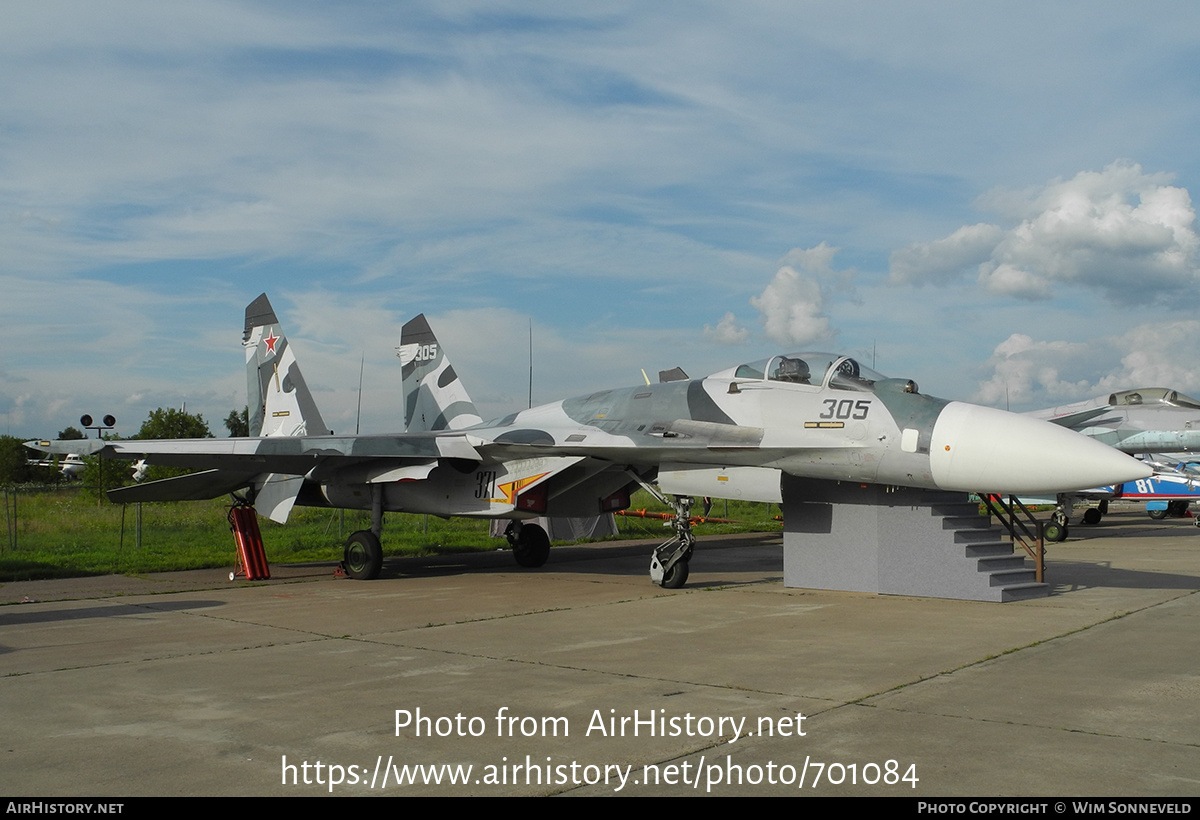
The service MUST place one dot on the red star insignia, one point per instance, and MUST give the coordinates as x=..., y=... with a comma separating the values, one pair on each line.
x=271, y=340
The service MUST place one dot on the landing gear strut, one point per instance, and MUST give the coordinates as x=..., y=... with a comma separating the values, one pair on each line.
x=669, y=563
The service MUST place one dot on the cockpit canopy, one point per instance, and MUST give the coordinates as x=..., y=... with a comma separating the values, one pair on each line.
x=1152, y=395
x=818, y=369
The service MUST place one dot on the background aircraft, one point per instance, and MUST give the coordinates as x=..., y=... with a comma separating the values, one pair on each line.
x=1146, y=420
x=734, y=434
x=1159, y=423
x=70, y=465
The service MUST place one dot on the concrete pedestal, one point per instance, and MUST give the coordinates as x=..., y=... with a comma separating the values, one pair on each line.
x=897, y=541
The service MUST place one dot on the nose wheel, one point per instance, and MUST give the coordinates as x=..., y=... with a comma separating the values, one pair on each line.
x=1056, y=528
x=669, y=563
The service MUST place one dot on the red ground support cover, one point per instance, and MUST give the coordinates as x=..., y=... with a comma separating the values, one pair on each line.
x=251, y=560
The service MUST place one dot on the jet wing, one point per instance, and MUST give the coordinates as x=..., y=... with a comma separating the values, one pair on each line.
x=1073, y=420
x=278, y=454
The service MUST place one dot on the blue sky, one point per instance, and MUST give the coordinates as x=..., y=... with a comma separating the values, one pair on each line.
x=990, y=198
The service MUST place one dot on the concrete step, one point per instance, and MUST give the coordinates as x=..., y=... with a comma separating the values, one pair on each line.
x=975, y=522
x=996, y=563
x=979, y=537
x=1024, y=592
x=989, y=549
x=1012, y=577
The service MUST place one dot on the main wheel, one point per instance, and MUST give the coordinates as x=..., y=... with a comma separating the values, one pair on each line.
x=1054, y=531
x=363, y=557
x=676, y=576
x=1091, y=516
x=1157, y=515
x=532, y=547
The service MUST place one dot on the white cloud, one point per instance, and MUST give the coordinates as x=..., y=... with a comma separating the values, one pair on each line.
x=727, y=331
x=793, y=305
x=1006, y=279
x=611, y=171
x=1150, y=358
x=1124, y=232
x=1027, y=374
x=945, y=259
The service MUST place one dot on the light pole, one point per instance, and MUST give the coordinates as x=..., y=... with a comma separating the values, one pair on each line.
x=108, y=423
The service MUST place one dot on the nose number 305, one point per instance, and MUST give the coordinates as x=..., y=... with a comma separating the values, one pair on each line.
x=846, y=409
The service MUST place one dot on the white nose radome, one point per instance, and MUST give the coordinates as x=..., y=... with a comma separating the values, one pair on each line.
x=980, y=449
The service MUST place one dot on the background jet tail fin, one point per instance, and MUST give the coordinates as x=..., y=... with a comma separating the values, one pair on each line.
x=280, y=402
x=434, y=398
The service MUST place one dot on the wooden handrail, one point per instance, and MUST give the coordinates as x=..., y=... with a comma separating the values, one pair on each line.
x=1025, y=530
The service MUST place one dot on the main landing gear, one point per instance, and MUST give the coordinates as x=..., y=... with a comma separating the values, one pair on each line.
x=1175, y=509
x=529, y=542
x=669, y=563
x=363, y=556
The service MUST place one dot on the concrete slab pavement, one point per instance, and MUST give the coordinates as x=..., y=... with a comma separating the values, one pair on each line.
x=217, y=689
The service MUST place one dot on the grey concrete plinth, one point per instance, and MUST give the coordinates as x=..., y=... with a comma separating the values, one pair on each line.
x=897, y=541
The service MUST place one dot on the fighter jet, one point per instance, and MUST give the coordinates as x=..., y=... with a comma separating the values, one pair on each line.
x=1159, y=423
x=733, y=434
x=1146, y=420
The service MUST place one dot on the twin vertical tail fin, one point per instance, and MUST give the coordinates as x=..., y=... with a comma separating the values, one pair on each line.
x=279, y=400
x=434, y=398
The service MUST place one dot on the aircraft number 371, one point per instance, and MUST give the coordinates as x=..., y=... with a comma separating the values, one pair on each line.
x=486, y=483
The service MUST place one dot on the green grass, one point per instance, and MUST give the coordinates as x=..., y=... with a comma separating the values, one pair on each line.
x=64, y=533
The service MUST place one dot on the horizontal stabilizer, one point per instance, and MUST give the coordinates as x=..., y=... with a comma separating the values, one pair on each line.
x=191, y=487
